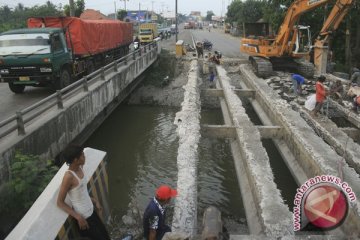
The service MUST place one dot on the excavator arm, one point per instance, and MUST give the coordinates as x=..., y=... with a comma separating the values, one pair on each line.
x=332, y=22
x=334, y=19
x=293, y=15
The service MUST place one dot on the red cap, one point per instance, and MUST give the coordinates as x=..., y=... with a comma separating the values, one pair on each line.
x=165, y=192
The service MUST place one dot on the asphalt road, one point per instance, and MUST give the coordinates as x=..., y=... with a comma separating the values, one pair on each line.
x=11, y=102
x=227, y=44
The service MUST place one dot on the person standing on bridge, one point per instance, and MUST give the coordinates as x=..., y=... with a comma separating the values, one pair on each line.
x=74, y=185
x=200, y=49
x=154, y=215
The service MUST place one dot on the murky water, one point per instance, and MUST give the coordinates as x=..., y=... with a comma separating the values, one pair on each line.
x=141, y=143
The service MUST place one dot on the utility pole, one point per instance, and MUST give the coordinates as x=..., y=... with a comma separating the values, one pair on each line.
x=162, y=7
x=152, y=6
x=139, y=13
x=115, y=10
x=124, y=3
x=72, y=8
x=176, y=21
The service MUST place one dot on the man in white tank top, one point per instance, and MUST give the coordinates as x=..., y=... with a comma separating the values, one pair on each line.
x=74, y=184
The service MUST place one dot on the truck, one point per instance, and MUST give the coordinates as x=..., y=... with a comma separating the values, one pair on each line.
x=227, y=28
x=148, y=32
x=55, y=51
x=192, y=24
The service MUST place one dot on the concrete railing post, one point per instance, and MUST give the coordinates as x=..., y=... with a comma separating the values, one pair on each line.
x=115, y=66
x=20, y=123
x=59, y=99
x=102, y=74
x=85, y=85
x=125, y=61
x=134, y=56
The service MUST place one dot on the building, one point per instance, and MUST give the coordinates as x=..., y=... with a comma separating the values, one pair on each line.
x=139, y=16
x=92, y=15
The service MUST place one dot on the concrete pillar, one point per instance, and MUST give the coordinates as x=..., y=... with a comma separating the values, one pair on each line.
x=320, y=58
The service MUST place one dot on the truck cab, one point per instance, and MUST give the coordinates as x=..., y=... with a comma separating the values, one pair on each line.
x=148, y=32
x=34, y=57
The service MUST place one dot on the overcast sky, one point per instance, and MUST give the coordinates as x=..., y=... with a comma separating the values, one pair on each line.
x=107, y=6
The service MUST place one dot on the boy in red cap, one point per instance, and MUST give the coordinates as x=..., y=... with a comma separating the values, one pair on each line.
x=154, y=215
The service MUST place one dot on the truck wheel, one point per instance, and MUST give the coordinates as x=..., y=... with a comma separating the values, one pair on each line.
x=64, y=80
x=16, y=88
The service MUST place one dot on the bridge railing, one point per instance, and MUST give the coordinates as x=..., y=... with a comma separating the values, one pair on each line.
x=22, y=117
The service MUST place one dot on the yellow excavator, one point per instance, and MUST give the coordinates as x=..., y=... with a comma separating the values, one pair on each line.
x=290, y=48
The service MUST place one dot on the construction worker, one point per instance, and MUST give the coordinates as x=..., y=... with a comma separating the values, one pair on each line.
x=356, y=103
x=297, y=81
x=154, y=215
x=355, y=77
x=321, y=94
x=200, y=49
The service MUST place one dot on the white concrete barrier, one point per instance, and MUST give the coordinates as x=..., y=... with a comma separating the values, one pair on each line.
x=44, y=220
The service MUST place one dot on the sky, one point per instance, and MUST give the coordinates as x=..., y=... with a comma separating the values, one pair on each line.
x=107, y=6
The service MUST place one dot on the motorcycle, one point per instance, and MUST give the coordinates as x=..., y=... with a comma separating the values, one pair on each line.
x=136, y=45
x=207, y=45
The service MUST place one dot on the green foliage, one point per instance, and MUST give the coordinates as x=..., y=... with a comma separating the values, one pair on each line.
x=29, y=176
x=209, y=15
x=121, y=14
x=16, y=18
x=79, y=6
x=248, y=11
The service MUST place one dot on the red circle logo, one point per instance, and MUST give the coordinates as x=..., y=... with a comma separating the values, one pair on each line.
x=326, y=206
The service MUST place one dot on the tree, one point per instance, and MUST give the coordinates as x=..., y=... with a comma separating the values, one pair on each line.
x=121, y=14
x=12, y=19
x=209, y=15
x=248, y=11
x=79, y=8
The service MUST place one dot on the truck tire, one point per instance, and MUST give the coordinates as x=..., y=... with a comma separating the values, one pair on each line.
x=64, y=79
x=16, y=88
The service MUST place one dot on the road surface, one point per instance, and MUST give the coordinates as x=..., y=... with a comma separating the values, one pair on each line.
x=227, y=44
x=11, y=102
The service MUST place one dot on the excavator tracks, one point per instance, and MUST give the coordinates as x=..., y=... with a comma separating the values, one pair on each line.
x=305, y=68
x=263, y=67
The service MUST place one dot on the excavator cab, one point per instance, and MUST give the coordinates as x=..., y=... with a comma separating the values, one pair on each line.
x=302, y=43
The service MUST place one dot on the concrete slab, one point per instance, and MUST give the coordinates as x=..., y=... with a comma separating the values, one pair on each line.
x=188, y=122
x=313, y=155
x=256, y=161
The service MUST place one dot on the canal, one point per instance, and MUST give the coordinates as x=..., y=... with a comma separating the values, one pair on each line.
x=142, y=145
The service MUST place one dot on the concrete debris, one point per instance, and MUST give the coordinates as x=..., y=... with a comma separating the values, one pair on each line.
x=185, y=210
x=128, y=221
x=175, y=236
